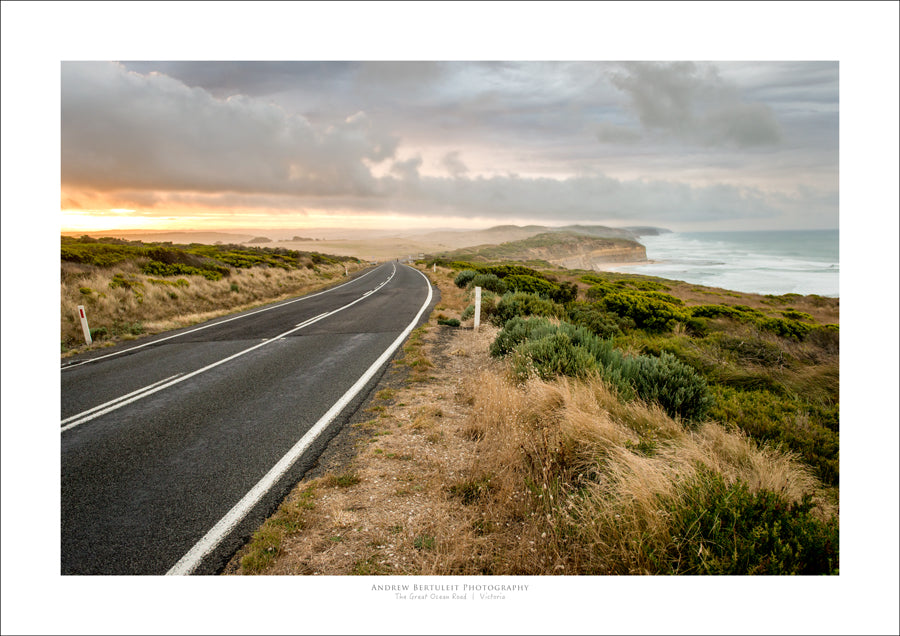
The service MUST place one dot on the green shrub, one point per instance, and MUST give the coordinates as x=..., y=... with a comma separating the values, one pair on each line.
x=749, y=311
x=666, y=298
x=697, y=326
x=782, y=327
x=491, y=282
x=599, y=290
x=793, y=314
x=593, y=317
x=504, y=271
x=159, y=268
x=462, y=265
x=99, y=254
x=607, y=283
x=515, y=331
x=649, y=310
x=785, y=328
x=135, y=328
x=675, y=386
x=565, y=349
x=808, y=429
x=553, y=355
x=564, y=293
x=714, y=311
x=321, y=259
x=450, y=322
x=784, y=299
x=597, y=279
x=119, y=280
x=522, y=304
x=722, y=528
x=530, y=285
x=463, y=279
x=181, y=282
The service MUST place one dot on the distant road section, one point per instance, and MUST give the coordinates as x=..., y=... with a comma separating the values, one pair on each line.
x=174, y=449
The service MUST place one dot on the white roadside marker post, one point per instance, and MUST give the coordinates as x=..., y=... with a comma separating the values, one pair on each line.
x=434, y=270
x=84, y=325
x=477, y=307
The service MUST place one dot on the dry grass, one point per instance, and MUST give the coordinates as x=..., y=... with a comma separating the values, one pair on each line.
x=469, y=473
x=453, y=299
x=149, y=304
x=604, y=474
x=395, y=514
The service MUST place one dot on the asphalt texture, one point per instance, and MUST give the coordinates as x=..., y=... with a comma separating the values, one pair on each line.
x=143, y=482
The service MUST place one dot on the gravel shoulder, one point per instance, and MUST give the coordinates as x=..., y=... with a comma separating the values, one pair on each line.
x=380, y=500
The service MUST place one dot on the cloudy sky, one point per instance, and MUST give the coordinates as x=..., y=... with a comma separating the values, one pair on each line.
x=268, y=144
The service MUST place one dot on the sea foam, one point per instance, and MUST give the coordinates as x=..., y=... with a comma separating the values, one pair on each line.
x=761, y=262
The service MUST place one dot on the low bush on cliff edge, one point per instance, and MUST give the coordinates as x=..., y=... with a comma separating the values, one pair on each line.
x=549, y=350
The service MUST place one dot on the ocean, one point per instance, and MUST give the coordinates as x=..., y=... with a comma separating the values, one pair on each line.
x=760, y=262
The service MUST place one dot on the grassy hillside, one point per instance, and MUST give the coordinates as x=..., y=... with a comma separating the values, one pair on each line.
x=130, y=288
x=548, y=246
x=763, y=369
x=595, y=424
x=770, y=362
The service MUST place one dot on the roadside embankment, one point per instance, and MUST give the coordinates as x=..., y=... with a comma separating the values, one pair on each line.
x=474, y=464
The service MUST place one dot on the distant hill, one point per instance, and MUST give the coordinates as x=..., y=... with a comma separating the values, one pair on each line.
x=563, y=248
x=455, y=239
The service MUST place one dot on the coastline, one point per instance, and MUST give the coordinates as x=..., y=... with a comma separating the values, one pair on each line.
x=612, y=267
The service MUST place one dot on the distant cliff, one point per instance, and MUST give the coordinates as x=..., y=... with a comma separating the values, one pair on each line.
x=565, y=249
x=458, y=239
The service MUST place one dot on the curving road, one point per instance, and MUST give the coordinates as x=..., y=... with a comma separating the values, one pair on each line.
x=175, y=449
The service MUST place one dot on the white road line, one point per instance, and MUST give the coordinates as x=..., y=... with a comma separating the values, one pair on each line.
x=311, y=320
x=153, y=388
x=189, y=562
x=118, y=399
x=215, y=324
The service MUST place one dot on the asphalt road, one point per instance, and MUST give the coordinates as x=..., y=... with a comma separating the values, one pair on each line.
x=174, y=449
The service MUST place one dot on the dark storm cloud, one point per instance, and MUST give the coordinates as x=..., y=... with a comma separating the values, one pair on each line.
x=691, y=102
